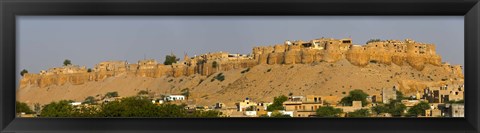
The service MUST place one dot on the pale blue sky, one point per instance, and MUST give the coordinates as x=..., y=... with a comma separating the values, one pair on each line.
x=45, y=41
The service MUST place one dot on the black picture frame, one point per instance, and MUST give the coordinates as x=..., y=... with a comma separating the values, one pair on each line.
x=470, y=9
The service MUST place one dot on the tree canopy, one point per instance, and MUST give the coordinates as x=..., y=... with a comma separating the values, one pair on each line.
x=170, y=59
x=67, y=62
x=328, y=111
x=355, y=95
x=23, y=72
x=395, y=108
x=277, y=103
x=373, y=40
x=58, y=109
x=126, y=107
x=22, y=107
x=359, y=113
x=418, y=109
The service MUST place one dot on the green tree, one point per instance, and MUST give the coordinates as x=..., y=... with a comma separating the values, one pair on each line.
x=22, y=107
x=395, y=108
x=67, y=62
x=130, y=107
x=355, y=95
x=373, y=40
x=277, y=103
x=172, y=110
x=126, y=107
x=380, y=109
x=400, y=96
x=89, y=100
x=170, y=59
x=23, y=72
x=328, y=111
x=57, y=109
x=418, y=109
x=359, y=113
x=89, y=70
x=85, y=111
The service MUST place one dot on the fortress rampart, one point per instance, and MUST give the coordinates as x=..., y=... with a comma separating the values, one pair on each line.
x=330, y=50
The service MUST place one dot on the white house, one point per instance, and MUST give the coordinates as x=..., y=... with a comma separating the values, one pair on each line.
x=174, y=98
x=75, y=103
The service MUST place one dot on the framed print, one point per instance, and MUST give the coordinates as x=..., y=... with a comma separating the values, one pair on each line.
x=236, y=66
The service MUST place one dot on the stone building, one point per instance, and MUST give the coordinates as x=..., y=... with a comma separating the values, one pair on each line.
x=111, y=66
x=303, y=106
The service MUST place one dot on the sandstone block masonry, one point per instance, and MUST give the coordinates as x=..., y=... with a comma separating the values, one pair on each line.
x=407, y=52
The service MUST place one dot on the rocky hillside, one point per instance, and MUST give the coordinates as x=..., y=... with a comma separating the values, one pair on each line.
x=260, y=83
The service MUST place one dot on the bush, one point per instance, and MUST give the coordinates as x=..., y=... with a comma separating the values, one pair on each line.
x=359, y=113
x=142, y=92
x=244, y=71
x=458, y=102
x=23, y=72
x=219, y=77
x=22, y=107
x=328, y=111
x=111, y=94
x=373, y=40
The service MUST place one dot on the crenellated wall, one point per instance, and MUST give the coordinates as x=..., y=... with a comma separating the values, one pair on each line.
x=330, y=50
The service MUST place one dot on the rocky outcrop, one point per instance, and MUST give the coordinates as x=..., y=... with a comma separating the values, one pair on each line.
x=358, y=56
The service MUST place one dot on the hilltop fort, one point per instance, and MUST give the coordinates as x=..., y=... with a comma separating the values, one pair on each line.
x=406, y=57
